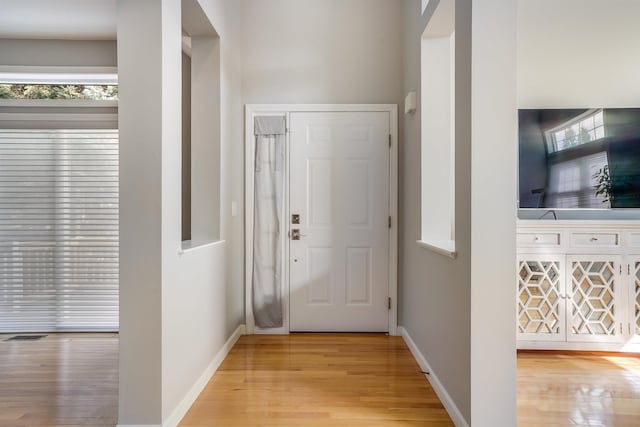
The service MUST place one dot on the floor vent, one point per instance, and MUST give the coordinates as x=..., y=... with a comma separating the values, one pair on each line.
x=25, y=338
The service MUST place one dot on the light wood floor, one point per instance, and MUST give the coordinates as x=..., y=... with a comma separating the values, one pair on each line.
x=61, y=380
x=578, y=390
x=318, y=380
x=306, y=380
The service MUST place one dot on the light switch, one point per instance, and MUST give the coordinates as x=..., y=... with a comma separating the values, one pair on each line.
x=410, y=102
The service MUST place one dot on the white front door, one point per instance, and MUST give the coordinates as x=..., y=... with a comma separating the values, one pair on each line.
x=339, y=190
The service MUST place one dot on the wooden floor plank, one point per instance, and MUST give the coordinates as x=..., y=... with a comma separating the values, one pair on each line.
x=318, y=380
x=315, y=380
x=578, y=390
x=60, y=380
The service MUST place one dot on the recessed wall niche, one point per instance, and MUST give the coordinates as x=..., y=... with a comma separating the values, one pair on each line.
x=201, y=142
x=438, y=130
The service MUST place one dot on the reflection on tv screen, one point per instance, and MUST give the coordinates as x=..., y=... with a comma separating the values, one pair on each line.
x=579, y=158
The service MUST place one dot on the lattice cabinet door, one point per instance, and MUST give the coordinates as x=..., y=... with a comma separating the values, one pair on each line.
x=596, y=308
x=540, y=306
x=634, y=298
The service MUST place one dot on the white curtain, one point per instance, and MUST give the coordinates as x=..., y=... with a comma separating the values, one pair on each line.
x=268, y=224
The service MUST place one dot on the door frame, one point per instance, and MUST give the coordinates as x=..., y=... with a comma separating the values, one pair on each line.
x=284, y=110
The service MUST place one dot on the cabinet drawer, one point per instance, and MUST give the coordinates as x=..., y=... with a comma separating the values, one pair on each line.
x=634, y=240
x=538, y=239
x=595, y=239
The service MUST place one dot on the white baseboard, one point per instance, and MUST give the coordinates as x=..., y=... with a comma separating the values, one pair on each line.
x=630, y=347
x=447, y=401
x=191, y=396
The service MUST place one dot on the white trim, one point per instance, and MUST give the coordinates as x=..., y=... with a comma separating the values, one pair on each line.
x=139, y=425
x=443, y=395
x=248, y=220
x=526, y=224
x=626, y=347
x=66, y=103
x=189, y=246
x=53, y=69
x=287, y=214
x=59, y=75
x=251, y=110
x=181, y=410
x=281, y=109
x=443, y=248
x=395, y=218
x=78, y=117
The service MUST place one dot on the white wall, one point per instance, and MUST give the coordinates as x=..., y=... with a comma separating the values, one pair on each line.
x=329, y=51
x=178, y=310
x=578, y=53
x=435, y=299
x=202, y=291
x=493, y=213
x=140, y=125
x=90, y=53
x=60, y=19
x=460, y=312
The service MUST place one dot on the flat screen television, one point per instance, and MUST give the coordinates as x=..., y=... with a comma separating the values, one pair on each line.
x=585, y=158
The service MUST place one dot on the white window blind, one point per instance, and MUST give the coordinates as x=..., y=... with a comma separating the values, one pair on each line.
x=58, y=230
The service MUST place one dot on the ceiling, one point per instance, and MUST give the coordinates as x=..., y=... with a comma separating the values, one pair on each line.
x=58, y=19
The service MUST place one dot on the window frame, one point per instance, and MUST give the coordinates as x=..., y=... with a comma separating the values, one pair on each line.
x=550, y=137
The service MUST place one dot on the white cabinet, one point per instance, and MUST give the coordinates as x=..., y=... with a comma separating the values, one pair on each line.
x=541, y=308
x=578, y=286
x=595, y=298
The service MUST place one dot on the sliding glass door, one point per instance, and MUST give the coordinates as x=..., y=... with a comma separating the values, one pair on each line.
x=58, y=230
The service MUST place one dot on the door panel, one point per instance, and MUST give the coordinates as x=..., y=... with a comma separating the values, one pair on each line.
x=339, y=185
x=541, y=298
x=596, y=297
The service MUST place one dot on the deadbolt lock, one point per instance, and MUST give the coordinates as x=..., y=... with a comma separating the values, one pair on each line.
x=295, y=234
x=295, y=219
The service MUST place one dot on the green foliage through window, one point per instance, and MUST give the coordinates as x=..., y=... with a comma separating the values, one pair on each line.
x=28, y=91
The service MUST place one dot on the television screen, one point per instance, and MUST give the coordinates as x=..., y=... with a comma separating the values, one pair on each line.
x=579, y=158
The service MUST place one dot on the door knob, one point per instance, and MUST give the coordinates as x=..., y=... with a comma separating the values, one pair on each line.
x=296, y=234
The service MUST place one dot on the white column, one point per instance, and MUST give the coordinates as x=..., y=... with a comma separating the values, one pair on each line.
x=493, y=213
x=140, y=68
